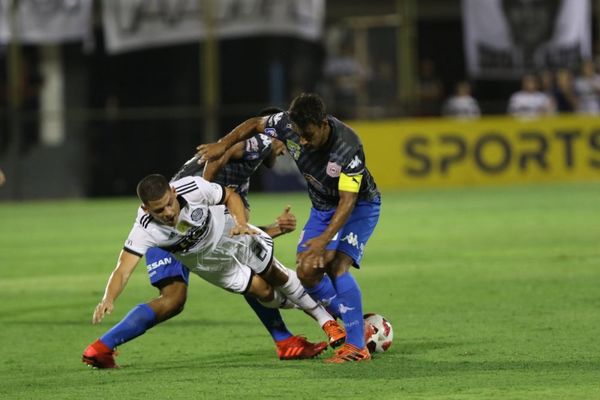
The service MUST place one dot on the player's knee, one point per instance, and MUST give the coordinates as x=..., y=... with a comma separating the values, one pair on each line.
x=308, y=276
x=339, y=265
x=262, y=291
x=173, y=298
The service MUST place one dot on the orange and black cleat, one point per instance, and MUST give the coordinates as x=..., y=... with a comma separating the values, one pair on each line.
x=298, y=348
x=99, y=355
x=335, y=333
x=349, y=353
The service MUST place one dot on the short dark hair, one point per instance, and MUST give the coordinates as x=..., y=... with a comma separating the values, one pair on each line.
x=269, y=111
x=306, y=109
x=152, y=187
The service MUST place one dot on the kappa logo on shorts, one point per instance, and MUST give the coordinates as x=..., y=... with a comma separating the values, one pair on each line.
x=197, y=214
x=333, y=169
x=352, y=239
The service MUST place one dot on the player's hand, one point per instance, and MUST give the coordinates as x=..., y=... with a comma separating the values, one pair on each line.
x=242, y=230
x=314, y=255
x=210, y=151
x=104, y=307
x=286, y=222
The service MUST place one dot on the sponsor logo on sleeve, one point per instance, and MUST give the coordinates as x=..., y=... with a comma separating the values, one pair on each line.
x=355, y=162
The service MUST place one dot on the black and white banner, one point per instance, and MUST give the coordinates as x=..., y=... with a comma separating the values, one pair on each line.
x=131, y=25
x=505, y=38
x=46, y=21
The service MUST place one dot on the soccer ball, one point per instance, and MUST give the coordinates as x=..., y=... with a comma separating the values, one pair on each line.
x=378, y=333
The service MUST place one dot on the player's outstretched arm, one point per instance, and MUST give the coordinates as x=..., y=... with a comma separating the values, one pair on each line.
x=243, y=131
x=212, y=168
x=115, y=285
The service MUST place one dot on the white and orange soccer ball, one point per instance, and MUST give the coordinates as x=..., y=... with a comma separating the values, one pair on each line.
x=379, y=333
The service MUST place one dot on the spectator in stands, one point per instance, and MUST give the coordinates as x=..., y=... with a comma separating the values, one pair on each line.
x=563, y=93
x=529, y=102
x=2, y=178
x=462, y=104
x=587, y=89
x=346, y=77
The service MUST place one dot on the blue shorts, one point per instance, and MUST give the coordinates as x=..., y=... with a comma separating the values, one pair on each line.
x=353, y=236
x=162, y=265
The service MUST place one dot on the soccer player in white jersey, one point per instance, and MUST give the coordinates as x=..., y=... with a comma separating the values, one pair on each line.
x=188, y=219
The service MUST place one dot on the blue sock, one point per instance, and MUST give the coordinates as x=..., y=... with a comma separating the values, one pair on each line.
x=325, y=293
x=350, y=308
x=139, y=320
x=270, y=318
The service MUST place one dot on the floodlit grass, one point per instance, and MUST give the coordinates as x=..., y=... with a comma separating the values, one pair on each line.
x=492, y=292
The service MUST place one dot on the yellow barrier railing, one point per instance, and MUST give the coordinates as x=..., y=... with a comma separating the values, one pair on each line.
x=447, y=152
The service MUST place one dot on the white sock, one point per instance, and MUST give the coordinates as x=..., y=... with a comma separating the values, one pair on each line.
x=279, y=301
x=296, y=293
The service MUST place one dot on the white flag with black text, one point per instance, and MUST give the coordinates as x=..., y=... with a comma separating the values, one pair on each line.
x=505, y=38
x=130, y=25
x=45, y=21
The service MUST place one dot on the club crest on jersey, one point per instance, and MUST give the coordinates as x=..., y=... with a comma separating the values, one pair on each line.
x=197, y=214
x=333, y=169
x=293, y=148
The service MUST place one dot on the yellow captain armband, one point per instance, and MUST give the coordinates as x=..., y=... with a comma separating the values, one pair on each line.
x=349, y=183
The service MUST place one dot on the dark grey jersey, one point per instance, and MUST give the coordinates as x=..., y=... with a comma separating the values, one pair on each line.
x=236, y=173
x=342, y=154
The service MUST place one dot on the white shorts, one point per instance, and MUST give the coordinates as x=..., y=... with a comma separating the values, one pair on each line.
x=232, y=262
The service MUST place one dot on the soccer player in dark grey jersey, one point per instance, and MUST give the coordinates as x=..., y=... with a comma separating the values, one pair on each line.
x=345, y=206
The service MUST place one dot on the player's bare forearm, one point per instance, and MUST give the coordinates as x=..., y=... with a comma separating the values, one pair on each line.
x=243, y=131
x=236, y=208
x=115, y=285
x=119, y=277
x=212, y=168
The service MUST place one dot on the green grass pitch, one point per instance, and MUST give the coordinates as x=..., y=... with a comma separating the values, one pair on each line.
x=493, y=293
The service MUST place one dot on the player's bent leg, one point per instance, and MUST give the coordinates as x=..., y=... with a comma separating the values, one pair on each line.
x=270, y=318
x=173, y=294
x=319, y=285
x=294, y=291
x=349, y=300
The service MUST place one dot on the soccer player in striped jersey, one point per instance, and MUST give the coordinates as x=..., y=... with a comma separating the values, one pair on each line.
x=187, y=218
x=345, y=206
x=171, y=278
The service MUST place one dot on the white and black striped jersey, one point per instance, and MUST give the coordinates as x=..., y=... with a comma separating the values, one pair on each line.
x=343, y=153
x=236, y=173
x=199, y=225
